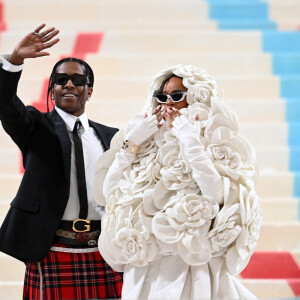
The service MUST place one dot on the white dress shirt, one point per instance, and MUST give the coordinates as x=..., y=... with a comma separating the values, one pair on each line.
x=92, y=150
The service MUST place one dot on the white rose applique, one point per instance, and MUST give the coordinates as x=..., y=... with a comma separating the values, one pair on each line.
x=186, y=223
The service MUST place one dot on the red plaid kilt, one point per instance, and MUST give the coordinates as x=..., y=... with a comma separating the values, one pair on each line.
x=72, y=276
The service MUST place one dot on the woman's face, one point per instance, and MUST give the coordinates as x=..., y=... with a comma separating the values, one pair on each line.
x=174, y=84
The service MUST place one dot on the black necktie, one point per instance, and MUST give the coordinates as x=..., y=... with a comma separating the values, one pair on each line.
x=80, y=171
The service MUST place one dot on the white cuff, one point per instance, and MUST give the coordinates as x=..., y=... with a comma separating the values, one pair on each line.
x=7, y=66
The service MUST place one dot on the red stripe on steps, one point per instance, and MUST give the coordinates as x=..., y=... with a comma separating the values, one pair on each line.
x=274, y=265
x=2, y=22
x=85, y=43
x=295, y=286
x=88, y=43
x=271, y=265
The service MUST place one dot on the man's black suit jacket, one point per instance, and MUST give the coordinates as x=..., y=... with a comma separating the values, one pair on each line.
x=29, y=228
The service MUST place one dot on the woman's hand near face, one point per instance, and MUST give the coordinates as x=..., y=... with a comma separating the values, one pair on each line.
x=33, y=44
x=158, y=113
x=169, y=114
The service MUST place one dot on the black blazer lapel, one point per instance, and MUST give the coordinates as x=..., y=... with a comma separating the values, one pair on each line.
x=102, y=134
x=65, y=142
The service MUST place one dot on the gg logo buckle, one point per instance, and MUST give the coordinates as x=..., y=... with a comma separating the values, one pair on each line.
x=87, y=225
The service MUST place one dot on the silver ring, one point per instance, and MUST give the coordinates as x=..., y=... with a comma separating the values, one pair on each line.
x=35, y=33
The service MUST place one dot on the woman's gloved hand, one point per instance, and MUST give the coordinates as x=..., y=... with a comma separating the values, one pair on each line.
x=143, y=130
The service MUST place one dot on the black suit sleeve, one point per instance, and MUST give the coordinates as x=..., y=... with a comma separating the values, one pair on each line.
x=16, y=119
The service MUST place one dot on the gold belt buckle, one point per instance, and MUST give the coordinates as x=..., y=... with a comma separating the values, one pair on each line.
x=87, y=225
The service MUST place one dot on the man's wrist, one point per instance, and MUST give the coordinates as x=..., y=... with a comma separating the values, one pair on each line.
x=16, y=60
x=7, y=66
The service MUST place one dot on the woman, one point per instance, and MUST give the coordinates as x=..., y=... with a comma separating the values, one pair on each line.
x=182, y=214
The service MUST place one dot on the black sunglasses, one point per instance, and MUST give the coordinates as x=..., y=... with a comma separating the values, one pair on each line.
x=175, y=97
x=77, y=79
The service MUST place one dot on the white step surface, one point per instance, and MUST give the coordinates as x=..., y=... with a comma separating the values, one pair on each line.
x=11, y=269
x=214, y=63
x=105, y=10
x=164, y=41
x=12, y=290
x=280, y=209
x=269, y=288
x=131, y=65
x=279, y=236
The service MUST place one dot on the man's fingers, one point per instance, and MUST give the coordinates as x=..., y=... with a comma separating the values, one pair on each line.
x=50, y=36
x=37, y=30
x=50, y=44
x=40, y=54
x=46, y=32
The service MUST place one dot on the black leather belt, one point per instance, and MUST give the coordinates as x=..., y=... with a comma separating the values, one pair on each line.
x=81, y=225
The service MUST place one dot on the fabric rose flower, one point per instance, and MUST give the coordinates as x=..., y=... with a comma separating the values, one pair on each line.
x=201, y=93
x=225, y=230
x=192, y=215
x=176, y=173
x=233, y=155
x=131, y=242
x=142, y=173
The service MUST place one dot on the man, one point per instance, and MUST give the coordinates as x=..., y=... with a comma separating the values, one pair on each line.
x=54, y=223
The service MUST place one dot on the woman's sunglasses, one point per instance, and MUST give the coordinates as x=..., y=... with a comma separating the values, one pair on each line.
x=77, y=79
x=175, y=97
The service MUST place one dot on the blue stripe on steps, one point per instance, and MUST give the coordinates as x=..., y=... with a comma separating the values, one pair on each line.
x=235, y=15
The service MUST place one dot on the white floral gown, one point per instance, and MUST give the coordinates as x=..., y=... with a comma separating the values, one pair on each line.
x=182, y=215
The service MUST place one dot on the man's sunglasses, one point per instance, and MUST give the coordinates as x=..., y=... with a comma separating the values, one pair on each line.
x=175, y=97
x=77, y=79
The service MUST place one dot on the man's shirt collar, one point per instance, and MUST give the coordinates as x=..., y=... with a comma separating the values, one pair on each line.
x=70, y=119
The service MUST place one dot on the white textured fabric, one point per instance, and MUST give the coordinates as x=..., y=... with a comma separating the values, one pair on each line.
x=171, y=278
x=185, y=205
x=143, y=130
x=204, y=173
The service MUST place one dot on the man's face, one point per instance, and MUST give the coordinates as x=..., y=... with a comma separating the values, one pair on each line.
x=69, y=97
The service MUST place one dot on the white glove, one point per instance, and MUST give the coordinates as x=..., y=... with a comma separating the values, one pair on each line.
x=185, y=132
x=143, y=130
x=204, y=173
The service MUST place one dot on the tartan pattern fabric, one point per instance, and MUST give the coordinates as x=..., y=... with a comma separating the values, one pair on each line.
x=72, y=276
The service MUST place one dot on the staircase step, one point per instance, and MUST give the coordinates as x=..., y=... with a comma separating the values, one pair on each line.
x=10, y=159
x=284, y=10
x=148, y=23
x=133, y=65
x=279, y=236
x=9, y=184
x=270, y=288
x=11, y=290
x=104, y=10
x=280, y=209
x=262, y=135
x=11, y=269
x=159, y=42
x=146, y=64
x=134, y=41
x=262, y=265
x=271, y=184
